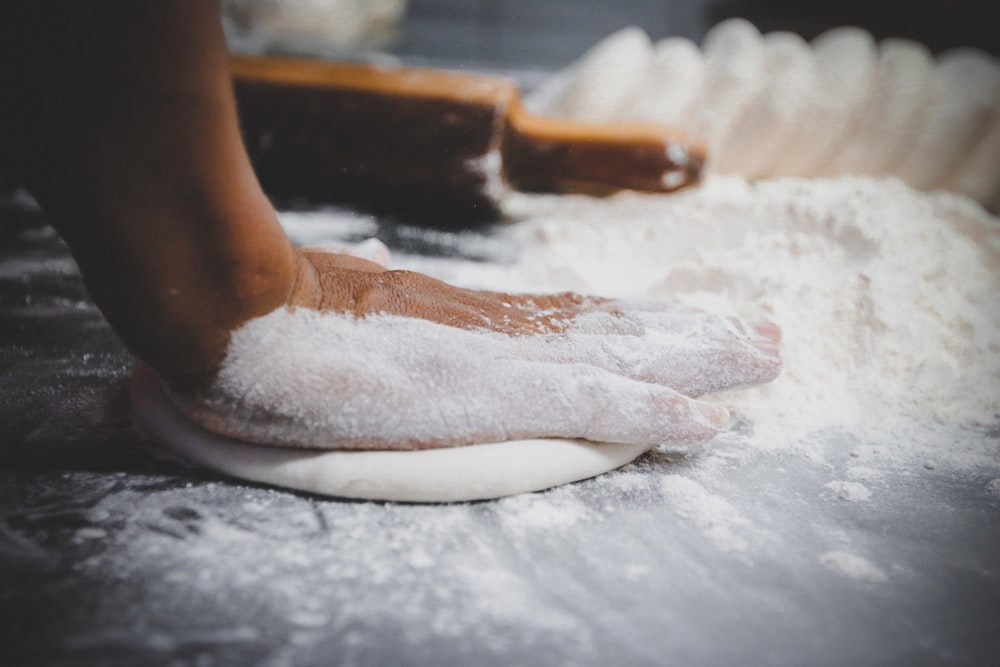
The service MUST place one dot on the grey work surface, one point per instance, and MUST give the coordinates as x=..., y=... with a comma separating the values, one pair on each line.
x=111, y=556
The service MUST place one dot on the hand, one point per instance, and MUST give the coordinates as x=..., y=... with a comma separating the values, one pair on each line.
x=376, y=359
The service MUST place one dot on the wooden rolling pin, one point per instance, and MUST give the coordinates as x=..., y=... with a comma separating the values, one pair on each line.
x=434, y=144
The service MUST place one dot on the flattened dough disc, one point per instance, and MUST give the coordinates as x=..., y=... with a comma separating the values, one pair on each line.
x=454, y=474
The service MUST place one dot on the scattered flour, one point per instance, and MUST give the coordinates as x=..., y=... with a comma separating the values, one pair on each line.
x=530, y=511
x=849, y=490
x=853, y=566
x=863, y=473
x=722, y=523
x=308, y=228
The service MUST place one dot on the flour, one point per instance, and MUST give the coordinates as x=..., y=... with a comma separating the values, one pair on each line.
x=887, y=297
x=531, y=512
x=853, y=566
x=721, y=522
x=854, y=491
x=309, y=228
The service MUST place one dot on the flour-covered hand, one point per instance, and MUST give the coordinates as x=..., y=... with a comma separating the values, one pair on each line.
x=367, y=358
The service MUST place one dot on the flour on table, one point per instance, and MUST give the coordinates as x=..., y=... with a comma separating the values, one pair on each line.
x=721, y=522
x=845, y=490
x=852, y=566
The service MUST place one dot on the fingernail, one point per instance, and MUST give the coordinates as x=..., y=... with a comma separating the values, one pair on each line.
x=716, y=415
x=768, y=348
x=768, y=330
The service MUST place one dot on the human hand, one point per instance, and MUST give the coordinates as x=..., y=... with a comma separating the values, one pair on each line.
x=367, y=358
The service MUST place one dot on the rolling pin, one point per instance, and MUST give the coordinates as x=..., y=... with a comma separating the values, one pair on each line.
x=433, y=144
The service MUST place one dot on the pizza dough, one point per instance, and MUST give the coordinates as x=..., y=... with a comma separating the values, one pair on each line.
x=670, y=85
x=434, y=475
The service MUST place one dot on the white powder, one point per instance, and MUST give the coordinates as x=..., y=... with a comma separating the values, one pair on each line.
x=722, y=523
x=888, y=297
x=849, y=490
x=863, y=473
x=853, y=566
x=557, y=512
x=308, y=228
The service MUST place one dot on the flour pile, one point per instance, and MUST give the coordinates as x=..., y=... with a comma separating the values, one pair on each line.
x=889, y=298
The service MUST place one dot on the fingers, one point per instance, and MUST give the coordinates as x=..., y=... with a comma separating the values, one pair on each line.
x=401, y=383
x=699, y=367
x=583, y=401
x=692, y=354
x=621, y=306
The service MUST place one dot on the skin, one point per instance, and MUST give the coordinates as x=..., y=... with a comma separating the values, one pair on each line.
x=122, y=123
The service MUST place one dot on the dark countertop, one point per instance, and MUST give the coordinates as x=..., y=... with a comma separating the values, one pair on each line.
x=111, y=556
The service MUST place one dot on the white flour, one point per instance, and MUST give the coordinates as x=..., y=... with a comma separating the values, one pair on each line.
x=889, y=298
x=853, y=566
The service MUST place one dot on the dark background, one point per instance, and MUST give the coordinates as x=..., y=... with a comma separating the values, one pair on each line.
x=546, y=34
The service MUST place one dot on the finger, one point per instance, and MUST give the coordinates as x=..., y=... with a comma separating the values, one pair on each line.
x=701, y=326
x=644, y=306
x=389, y=382
x=697, y=367
x=582, y=401
x=692, y=325
x=690, y=365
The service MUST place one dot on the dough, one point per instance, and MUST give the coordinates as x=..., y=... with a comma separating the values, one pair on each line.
x=978, y=173
x=966, y=90
x=772, y=118
x=774, y=106
x=845, y=78
x=670, y=85
x=904, y=77
x=734, y=63
x=435, y=475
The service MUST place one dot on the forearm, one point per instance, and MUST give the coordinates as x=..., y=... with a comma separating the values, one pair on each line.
x=128, y=137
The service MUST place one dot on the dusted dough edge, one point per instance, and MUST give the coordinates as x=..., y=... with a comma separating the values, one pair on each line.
x=454, y=474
